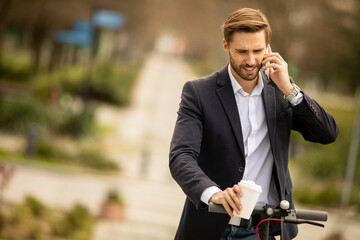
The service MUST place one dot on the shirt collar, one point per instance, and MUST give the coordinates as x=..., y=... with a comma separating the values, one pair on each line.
x=237, y=88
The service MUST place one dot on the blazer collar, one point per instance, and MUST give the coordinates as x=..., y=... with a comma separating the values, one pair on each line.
x=269, y=100
x=223, y=77
x=226, y=95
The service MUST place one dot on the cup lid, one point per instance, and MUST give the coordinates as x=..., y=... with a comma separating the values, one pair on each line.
x=250, y=185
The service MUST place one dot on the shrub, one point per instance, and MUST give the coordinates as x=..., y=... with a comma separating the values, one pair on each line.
x=15, y=68
x=22, y=221
x=93, y=158
x=326, y=166
x=78, y=124
x=76, y=224
x=18, y=115
x=36, y=207
x=107, y=82
x=67, y=80
x=115, y=197
x=112, y=83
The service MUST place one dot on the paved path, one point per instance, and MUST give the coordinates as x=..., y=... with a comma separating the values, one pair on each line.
x=154, y=201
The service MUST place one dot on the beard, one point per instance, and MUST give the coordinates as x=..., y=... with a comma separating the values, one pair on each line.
x=241, y=72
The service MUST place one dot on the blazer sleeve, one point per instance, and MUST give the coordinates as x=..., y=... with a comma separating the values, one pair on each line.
x=186, y=144
x=313, y=122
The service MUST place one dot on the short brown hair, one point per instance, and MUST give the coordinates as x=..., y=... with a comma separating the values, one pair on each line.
x=246, y=20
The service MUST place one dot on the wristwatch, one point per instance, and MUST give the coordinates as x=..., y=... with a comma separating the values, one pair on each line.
x=293, y=93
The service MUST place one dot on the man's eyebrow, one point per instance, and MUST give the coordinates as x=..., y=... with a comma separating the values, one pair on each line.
x=240, y=50
x=246, y=50
x=259, y=49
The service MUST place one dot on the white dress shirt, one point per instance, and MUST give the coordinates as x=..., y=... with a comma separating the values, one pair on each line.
x=258, y=157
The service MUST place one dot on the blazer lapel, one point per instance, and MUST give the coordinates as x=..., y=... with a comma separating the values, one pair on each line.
x=269, y=100
x=226, y=95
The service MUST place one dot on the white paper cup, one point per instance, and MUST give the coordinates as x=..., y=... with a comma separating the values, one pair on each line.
x=251, y=193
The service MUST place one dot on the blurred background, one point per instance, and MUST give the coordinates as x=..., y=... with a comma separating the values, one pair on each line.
x=89, y=92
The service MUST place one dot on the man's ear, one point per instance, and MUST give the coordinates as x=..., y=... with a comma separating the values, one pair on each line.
x=226, y=46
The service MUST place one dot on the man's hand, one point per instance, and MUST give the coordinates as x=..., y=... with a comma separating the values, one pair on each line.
x=230, y=199
x=278, y=71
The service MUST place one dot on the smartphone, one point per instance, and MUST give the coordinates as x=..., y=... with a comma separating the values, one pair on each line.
x=267, y=71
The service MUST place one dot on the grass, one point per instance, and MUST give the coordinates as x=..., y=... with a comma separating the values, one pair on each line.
x=89, y=157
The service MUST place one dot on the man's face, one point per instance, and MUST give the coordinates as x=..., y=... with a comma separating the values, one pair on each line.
x=246, y=51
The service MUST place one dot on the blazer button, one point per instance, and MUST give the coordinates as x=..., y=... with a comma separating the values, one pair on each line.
x=241, y=169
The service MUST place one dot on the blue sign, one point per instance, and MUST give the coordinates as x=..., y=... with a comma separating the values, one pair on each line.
x=108, y=19
x=80, y=35
x=82, y=32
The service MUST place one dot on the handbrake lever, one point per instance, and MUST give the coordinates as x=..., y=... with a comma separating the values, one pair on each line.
x=303, y=221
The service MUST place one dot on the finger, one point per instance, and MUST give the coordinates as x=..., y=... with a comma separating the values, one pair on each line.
x=233, y=200
x=238, y=205
x=271, y=71
x=227, y=208
x=274, y=59
x=229, y=199
x=238, y=190
x=279, y=56
x=275, y=54
x=274, y=67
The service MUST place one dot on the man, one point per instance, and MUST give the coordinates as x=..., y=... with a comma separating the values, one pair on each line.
x=235, y=124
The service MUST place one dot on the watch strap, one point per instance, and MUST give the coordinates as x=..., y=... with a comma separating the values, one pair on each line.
x=293, y=93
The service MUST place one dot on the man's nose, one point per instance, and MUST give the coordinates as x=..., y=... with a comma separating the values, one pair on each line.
x=250, y=59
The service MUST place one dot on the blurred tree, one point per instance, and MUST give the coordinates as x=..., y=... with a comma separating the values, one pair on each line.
x=5, y=6
x=345, y=62
x=41, y=19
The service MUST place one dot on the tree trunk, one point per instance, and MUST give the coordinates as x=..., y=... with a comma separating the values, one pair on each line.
x=75, y=55
x=38, y=38
x=5, y=6
x=55, y=57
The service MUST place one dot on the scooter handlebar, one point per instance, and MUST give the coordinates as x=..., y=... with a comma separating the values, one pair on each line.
x=311, y=215
x=300, y=214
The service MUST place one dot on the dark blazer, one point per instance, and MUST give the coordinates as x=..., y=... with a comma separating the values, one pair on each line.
x=207, y=146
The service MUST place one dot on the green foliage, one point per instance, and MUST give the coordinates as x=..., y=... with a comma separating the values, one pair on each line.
x=326, y=195
x=17, y=115
x=325, y=165
x=76, y=224
x=107, y=82
x=115, y=197
x=47, y=151
x=89, y=157
x=15, y=68
x=93, y=158
x=34, y=221
x=21, y=114
x=67, y=80
x=329, y=161
x=2, y=221
x=36, y=207
x=113, y=82
x=79, y=124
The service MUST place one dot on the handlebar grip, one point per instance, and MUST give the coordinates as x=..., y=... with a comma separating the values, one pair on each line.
x=312, y=215
x=216, y=208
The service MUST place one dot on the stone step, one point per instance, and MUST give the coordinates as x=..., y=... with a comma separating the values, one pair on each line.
x=131, y=230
